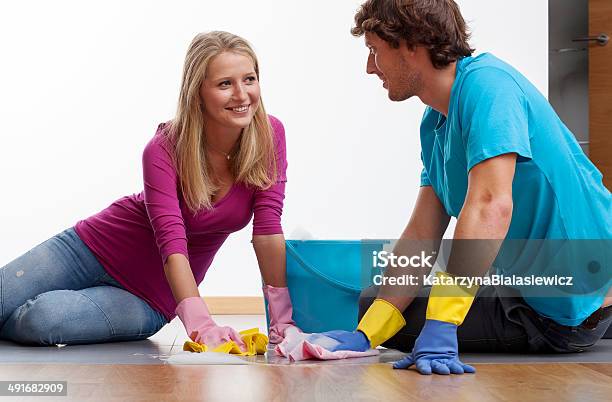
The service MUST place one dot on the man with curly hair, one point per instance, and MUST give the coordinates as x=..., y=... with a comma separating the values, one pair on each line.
x=497, y=157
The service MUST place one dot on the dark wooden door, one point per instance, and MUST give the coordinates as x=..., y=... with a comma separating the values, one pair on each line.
x=600, y=88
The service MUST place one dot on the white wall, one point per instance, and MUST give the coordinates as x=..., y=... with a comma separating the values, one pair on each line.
x=83, y=86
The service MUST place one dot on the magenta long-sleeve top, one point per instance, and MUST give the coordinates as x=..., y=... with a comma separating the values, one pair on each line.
x=134, y=236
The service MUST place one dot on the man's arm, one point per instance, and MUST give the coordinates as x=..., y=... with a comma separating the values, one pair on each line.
x=429, y=219
x=481, y=227
x=384, y=317
x=424, y=231
x=486, y=216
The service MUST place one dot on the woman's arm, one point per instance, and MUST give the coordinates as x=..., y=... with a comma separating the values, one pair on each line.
x=180, y=277
x=161, y=198
x=191, y=308
x=268, y=239
x=270, y=252
x=163, y=210
x=269, y=243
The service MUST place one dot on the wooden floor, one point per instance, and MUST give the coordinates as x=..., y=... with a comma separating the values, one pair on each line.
x=376, y=382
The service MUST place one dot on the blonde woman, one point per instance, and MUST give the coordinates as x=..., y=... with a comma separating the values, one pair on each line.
x=128, y=270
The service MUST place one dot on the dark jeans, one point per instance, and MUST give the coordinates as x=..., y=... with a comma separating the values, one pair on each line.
x=499, y=324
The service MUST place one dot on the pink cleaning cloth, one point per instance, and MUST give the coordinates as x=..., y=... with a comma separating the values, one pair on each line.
x=300, y=346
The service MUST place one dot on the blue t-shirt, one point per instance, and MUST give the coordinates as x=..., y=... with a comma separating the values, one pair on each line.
x=557, y=191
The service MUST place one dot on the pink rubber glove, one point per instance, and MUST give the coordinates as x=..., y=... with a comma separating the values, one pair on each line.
x=280, y=311
x=200, y=326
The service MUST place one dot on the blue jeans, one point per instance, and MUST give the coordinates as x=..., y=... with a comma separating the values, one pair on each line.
x=58, y=292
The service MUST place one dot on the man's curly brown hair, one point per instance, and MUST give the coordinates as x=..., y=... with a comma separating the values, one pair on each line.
x=436, y=25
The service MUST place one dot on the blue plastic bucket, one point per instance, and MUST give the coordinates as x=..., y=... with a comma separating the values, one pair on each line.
x=325, y=278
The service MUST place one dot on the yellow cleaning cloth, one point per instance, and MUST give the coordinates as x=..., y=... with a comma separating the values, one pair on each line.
x=255, y=342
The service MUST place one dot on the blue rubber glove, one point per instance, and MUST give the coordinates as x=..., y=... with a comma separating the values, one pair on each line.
x=436, y=350
x=355, y=341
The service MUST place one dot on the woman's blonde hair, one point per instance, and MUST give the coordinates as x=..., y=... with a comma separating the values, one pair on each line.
x=254, y=162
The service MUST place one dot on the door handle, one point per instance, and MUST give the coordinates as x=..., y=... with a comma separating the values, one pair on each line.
x=601, y=39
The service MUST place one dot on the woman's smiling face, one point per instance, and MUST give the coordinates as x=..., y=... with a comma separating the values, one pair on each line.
x=230, y=90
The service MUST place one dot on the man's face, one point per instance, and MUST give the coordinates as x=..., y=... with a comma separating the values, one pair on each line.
x=394, y=67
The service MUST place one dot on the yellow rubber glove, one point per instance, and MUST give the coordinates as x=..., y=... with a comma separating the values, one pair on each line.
x=381, y=322
x=449, y=302
x=255, y=342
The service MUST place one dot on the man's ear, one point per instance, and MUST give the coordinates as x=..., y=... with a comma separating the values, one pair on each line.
x=407, y=49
